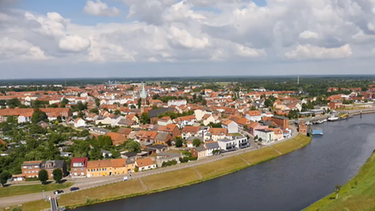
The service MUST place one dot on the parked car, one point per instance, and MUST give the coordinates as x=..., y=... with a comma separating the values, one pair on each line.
x=74, y=188
x=125, y=178
x=56, y=192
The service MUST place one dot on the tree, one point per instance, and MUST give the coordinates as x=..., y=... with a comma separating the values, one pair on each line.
x=57, y=175
x=145, y=118
x=97, y=102
x=196, y=142
x=268, y=103
x=95, y=154
x=38, y=116
x=12, y=103
x=337, y=190
x=253, y=108
x=204, y=102
x=43, y=176
x=4, y=177
x=256, y=137
x=179, y=142
x=64, y=102
x=117, y=112
x=132, y=146
x=94, y=111
x=139, y=102
x=132, y=106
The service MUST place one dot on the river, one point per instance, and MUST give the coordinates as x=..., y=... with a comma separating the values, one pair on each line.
x=288, y=183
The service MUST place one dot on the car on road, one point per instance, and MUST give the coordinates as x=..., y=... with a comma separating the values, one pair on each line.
x=125, y=178
x=74, y=188
x=56, y=192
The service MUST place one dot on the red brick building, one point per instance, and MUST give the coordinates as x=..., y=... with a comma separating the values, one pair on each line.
x=78, y=167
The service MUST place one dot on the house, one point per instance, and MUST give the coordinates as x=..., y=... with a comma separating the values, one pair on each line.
x=230, y=125
x=125, y=131
x=254, y=116
x=199, y=114
x=18, y=177
x=31, y=168
x=281, y=121
x=79, y=123
x=278, y=134
x=189, y=131
x=51, y=165
x=211, y=147
x=207, y=119
x=171, y=129
x=265, y=136
x=157, y=148
x=155, y=112
x=163, y=138
x=106, y=153
x=164, y=121
x=185, y=120
x=146, y=136
x=167, y=156
x=117, y=138
x=103, y=120
x=255, y=126
x=145, y=164
x=109, y=167
x=199, y=152
x=78, y=167
x=241, y=142
x=218, y=133
x=287, y=133
x=132, y=117
x=227, y=144
x=335, y=105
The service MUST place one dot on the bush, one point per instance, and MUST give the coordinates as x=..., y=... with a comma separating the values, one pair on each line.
x=169, y=163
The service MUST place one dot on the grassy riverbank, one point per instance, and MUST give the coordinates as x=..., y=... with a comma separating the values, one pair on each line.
x=28, y=189
x=358, y=194
x=174, y=179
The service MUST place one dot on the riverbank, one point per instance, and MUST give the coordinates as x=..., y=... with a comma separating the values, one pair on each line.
x=174, y=179
x=357, y=194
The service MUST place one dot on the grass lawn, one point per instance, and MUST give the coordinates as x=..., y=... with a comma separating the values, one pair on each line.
x=27, y=189
x=236, y=134
x=357, y=194
x=260, y=155
x=302, y=139
x=170, y=179
x=220, y=167
x=287, y=146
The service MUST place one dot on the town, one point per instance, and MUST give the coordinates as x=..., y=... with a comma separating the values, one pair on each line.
x=122, y=129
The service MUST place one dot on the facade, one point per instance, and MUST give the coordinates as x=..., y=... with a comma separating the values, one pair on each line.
x=199, y=152
x=78, y=167
x=31, y=168
x=176, y=102
x=280, y=121
x=242, y=142
x=302, y=128
x=230, y=125
x=51, y=165
x=211, y=147
x=171, y=129
x=165, y=157
x=145, y=164
x=266, y=136
x=107, y=167
x=79, y=123
x=163, y=138
x=189, y=131
x=255, y=126
x=254, y=116
x=218, y=133
x=227, y=144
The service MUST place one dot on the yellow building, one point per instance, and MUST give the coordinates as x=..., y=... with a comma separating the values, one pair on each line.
x=108, y=167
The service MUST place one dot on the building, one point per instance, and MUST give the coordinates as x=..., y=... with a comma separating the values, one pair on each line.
x=189, y=131
x=163, y=138
x=230, y=125
x=117, y=138
x=302, y=128
x=255, y=126
x=278, y=134
x=218, y=133
x=265, y=136
x=254, y=116
x=51, y=165
x=185, y=120
x=176, y=103
x=155, y=112
x=281, y=121
x=167, y=156
x=241, y=142
x=227, y=144
x=211, y=147
x=171, y=129
x=199, y=152
x=78, y=167
x=31, y=168
x=335, y=105
x=164, y=121
x=107, y=167
x=145, y=164
x=79, y=123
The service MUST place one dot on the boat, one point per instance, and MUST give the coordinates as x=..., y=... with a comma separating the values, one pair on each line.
x=333, y=118
x=316, y=131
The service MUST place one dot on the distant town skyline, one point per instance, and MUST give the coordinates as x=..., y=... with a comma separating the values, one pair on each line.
x=170, y=38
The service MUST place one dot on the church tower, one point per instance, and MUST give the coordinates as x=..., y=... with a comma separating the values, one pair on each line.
x=144, y=98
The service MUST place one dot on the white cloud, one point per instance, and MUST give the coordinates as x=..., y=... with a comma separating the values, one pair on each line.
x=313, y=52
x=184, y=38
x=99, y=8
x=74, y=43
x=308, y=35
x=14, y=49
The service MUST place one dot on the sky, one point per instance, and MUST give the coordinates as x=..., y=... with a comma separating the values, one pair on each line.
x=156, y=38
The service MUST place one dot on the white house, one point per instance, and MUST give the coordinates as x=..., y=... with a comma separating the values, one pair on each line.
x=241, y=142
x=103, y=120
x=165, y=121
x=230, y=125
x=254, y=116
x=185, y=121
x=208, y=118
x=200, y=113
x=79, y=123
x=145, y=164
x=227, y=144
x=210, y=147
x=176, y=102
x=266, y=136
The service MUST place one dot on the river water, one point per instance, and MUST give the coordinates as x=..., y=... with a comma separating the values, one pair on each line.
x=288, y=183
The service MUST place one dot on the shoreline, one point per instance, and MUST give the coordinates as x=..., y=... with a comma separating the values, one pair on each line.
x=188, y=177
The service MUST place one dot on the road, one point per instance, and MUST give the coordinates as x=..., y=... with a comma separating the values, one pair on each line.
x=86, y=183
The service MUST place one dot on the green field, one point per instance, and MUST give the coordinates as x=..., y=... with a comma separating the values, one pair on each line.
x=27, y=189
x=356, y=195
x=168, y=180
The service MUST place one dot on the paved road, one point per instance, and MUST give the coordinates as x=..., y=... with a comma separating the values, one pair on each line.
x=86, y=183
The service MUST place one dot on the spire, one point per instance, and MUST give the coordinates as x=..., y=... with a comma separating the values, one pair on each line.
x=143, y=93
